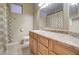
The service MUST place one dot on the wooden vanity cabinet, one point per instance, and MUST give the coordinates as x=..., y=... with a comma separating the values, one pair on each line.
x=38, y=44
x=41, y=45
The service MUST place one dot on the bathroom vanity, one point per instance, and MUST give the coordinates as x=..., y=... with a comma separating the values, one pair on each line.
x=52, y=43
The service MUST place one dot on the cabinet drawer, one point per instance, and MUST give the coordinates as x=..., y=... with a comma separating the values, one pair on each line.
x=64, y=49
x=42, y=49
x=43, y=40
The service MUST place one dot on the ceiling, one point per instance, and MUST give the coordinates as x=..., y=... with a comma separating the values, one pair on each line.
x=53, y=8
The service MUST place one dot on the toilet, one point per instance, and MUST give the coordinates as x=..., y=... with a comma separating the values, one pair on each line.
x=25, y=42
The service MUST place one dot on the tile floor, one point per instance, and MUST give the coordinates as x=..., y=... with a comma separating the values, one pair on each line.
x=26, y=51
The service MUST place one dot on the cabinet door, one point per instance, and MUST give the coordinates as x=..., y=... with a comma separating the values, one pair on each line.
x=51, y=47
x=43, y=40
x=30, y=40
x=34, y=46
x=64, y=49
x=31, y=43
x=42, y=49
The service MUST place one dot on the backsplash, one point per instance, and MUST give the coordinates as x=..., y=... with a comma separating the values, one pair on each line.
x=56, y=20
x=76, y=35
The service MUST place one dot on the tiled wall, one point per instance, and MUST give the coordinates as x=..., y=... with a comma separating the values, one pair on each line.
x=3, y=27
x=23, y=21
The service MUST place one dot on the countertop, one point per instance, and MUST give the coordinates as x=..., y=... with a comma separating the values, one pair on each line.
x=64, y=38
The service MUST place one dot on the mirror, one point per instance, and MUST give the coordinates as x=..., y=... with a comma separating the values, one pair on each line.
x=60, y=16
x=54, y=15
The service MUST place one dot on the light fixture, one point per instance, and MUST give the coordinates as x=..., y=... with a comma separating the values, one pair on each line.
x=40, y=4
x=73, y=3
x=43, y=5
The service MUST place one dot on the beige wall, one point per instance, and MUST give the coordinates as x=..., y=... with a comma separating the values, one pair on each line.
x=75, y=26
x=35, y=13
x=39, y=22
x=21, y=21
